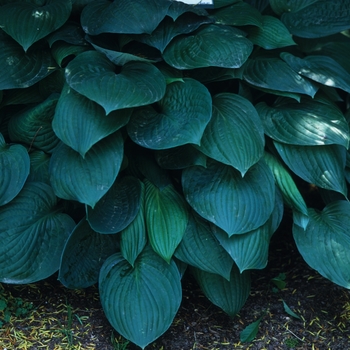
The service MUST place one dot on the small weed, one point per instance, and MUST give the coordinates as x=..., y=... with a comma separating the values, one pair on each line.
x=120, y=343
x=291, y=343
x=67, y=330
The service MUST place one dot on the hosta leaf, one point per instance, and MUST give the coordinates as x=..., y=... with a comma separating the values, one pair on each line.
x=166, y=217
x=308, y=123
x=238, y=14
x=274, y=74
x=20, y=69
x=319, y=19
x=323, y=69
x=26, y=22
x=62, y=52
x=39, y=167
x=325, y=243
x=31, y=245
x=223, y=3
x=179, y=118
x=199, y=248
x=322, y=166
x=281, y=6
x=123, y=16
x=231, y=295
x=86, y=180
x=210, y=45
x=250, y=250
x=235, y=204
x=93, y=75
x=70, y=33
x=80, y=123
x=272, y=34
x=83, y=256
x=14, y=170
x=117, y=208
x=140, y=302
x=234, y=135
x=178, y=8
x=33, y=126
x=134, y=237
x=249, y=333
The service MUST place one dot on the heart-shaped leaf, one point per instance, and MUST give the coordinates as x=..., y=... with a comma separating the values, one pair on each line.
x=88, y=179
x=210, y=45
x=26, y=22
x=93, y=75
x=31, y=245
x=234, y=135
x=117, y=208
x=83, y=256
x=325, y=243
x=230, y=295
x=80, y=123
x=14, y=170
x=140, y=302
x=220, y=194
x=179, y=118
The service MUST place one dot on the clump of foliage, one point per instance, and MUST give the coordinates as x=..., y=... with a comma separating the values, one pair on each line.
x=140, y=138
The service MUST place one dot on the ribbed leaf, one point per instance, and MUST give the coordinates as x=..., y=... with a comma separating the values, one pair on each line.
x=33, y=126
x=178, y=8
x=235, y=134
x=123, y=16
x=319, y=19
x=199, y=248
x=93, y=75
x=281, y=6
x=274, y=74
x=80, y=123
x=231, y=295
x=179, y=118
x=166, y=216
x=26, y=22
x=220, y=194
x=323, y=69
x=31, y=245
x=62, y=52
x=140, y=302
x=117, y=208
x=272, y=34
x=322, y=166
x=86, y=180
x=308, y=123
x=210, y=45
x=39, y=167
x=326, y=242
x=83, y=256
x=14, y=170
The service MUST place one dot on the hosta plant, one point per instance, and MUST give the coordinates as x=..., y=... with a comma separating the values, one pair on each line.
x=144, y=139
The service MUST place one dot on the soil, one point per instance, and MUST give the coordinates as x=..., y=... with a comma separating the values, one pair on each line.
x=53, y=317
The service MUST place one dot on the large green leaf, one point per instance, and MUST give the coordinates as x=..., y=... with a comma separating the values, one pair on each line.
x=33, y=126
x=281, y=6
x=274, y=74
x=140, y=302
x=30, y=21
x=323, y=69
x=235, y=134
x=322, y=166
x=179, y=118
x=199, y=248
x=80, y=123
x=319, y=19
x=272, y=34
x=178, y=8
x=220, y=194
x=86, y=180
x=166, y=215
x=39, y=167
x=14, y=170
x=123, y=16
x=32, y=233
x=63, y=52
x=231, y=295
x=20, y=69
x=250, y=250
x=83, y=256
x=117, y=208
x=93, y=75
x=308, y=123
x=211, y=45
x=326, y=242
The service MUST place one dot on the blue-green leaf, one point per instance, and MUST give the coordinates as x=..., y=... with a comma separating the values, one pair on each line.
x=249, y=333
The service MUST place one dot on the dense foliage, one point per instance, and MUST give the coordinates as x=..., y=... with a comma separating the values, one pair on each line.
x=143, y=138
